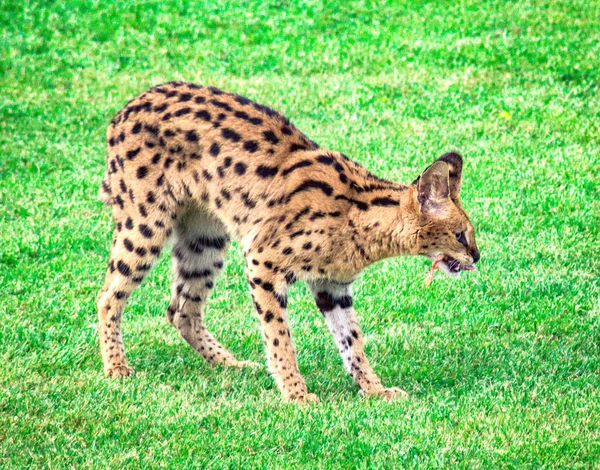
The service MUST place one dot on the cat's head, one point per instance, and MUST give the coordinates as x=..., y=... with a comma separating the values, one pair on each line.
x=444, y=226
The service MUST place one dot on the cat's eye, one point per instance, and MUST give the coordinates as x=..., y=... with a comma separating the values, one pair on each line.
x=461, y=238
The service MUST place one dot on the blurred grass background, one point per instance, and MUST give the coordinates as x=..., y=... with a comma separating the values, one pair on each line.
x=502, y=365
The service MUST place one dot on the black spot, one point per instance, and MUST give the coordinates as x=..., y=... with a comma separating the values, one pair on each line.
x=214, y=149
x=182, y=112
x=265, y=171
x=200, y=100
x=287, y=251
x=160, y=180
x=140, y=251
x=276, y=342
x=251, y=146
x=307, y=246
x=310, y=184
x=268, y=287
x=141, y=172
x=129, y=223
x=281, y=299
x=255, y=120
x=131, y=154
x=195, y=274
x=161, y=107
x=151, y=129
x=128, y=244
x=296, y=147
x=295, y=166
x=191, y=136
x=226, y=194
x=185, y=97
x=290, y=278
x=123, y=268
x=269, y=316
x=326, y=302
x=215, y=91
x=248, y=201
x=325, y=159
x=203, y=114
x=242, y=115
x=142, y=210
x=200, y=243
x=344, y=302
x=227, y=162
x=145, y=231
x=363, y=206
x=384, y=201
x=155, y=250
x=242, y=100
x=143, y=267
x=286, y=130
x=270, y=137
x=230, y=134
x=150, y=197
x=239, y=168
x=136, y=129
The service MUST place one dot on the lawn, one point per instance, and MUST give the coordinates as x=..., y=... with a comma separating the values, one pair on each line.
x=502, y=365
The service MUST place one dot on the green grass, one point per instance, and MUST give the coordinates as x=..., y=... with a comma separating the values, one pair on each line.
x=502, y=365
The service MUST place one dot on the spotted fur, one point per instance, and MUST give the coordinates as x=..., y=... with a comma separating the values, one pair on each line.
x=203, y=165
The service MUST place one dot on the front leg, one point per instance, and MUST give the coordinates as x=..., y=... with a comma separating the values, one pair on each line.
x=335, y=303
x=269, y=293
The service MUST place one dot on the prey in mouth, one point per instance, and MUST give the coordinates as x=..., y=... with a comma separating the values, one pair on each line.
x=448, y=265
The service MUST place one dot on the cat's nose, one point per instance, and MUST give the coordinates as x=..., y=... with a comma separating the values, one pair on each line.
x=475, y=254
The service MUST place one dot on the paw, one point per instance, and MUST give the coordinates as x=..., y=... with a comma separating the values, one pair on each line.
x=303, y=398
x=118, y=370
x=389, y=394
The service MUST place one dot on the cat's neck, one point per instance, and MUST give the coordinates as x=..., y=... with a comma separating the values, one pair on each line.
x=388, y=228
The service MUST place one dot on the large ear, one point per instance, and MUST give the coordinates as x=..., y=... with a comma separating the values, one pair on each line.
x=433, y=186
x=455, y=162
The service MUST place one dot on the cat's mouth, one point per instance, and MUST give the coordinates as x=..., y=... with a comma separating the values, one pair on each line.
x=453, y=267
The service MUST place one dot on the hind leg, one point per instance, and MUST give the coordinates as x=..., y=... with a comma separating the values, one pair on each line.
x=199, y=251
x=134, y=250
